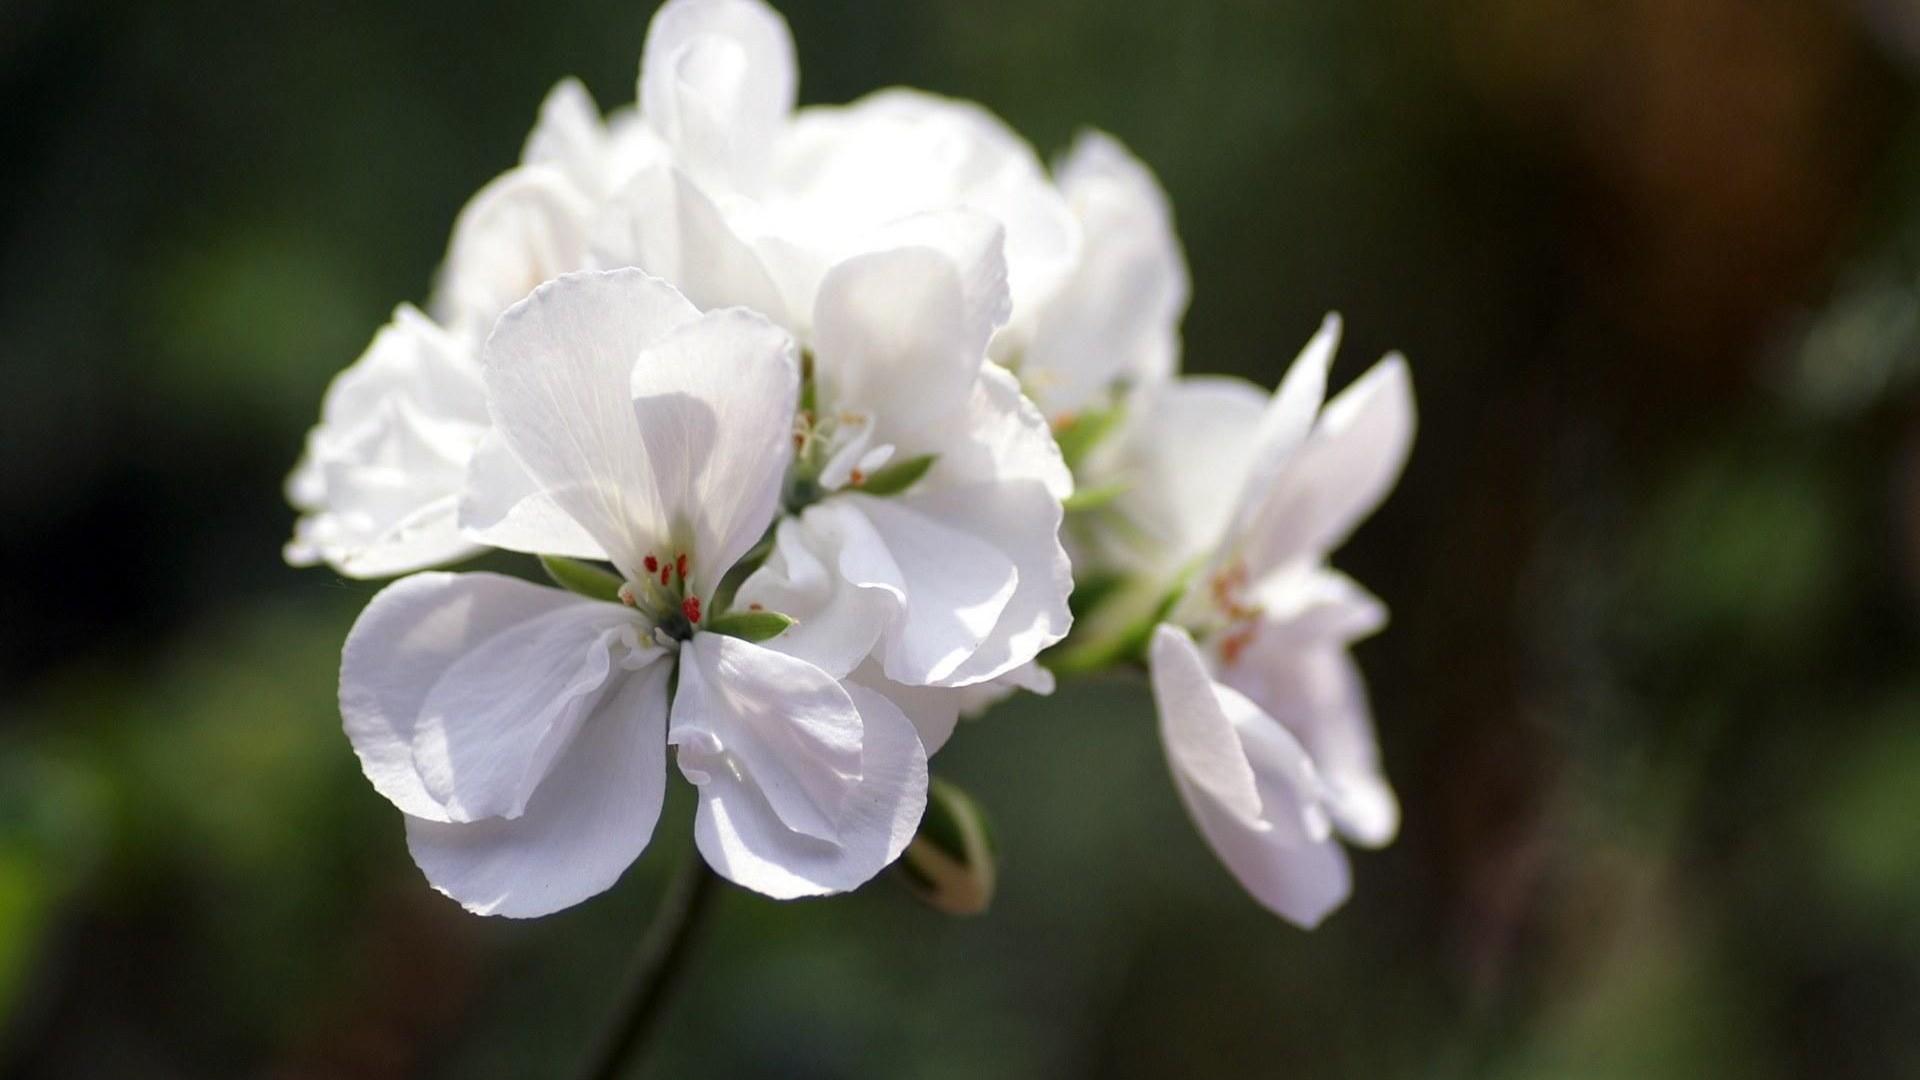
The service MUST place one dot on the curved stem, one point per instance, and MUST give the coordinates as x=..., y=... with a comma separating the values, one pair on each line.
x=662, y=956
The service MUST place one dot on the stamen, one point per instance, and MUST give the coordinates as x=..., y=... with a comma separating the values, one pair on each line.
x=756, y=606
x=690, y=607
x=856, y=478
x=652, y=564
x=680, y=565
x=626, y=594
x=664, y=571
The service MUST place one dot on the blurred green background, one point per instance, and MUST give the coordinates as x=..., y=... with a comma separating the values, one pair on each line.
x=1650, y=695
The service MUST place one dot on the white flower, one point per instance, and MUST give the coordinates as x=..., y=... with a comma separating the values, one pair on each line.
x=385, y=468
x=802, y=190
x=1265, y=719
x=927, y=489
x=1116, y=322
x=523, y=730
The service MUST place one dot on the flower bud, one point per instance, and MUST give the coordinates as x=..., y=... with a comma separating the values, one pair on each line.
x=951, y=864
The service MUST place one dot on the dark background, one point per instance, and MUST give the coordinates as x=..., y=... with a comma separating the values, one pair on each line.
x=1650, y=696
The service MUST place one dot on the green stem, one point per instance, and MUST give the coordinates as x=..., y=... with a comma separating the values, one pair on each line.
x=662, y=956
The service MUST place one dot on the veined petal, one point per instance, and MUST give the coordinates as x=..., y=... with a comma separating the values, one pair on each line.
x=582, y=828
x=772, y=722
x=503, y=507
x=750, y=843
x=527, y=226
x=1338, y=476
x=717, y=81
x=714, y=401
x=891, y=339
x=558, y=372
x=955, y=587
x=416, y=632
x=832, y=573
x=663, y=224
x=1020, y=522
x=1227, y=756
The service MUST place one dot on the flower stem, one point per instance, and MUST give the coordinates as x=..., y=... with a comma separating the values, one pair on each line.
x=657, y=966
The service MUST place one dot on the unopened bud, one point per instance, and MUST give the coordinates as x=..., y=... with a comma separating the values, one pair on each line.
x=951, y=864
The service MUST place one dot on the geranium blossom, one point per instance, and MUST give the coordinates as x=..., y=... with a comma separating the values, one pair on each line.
x=523, y=729
x=1265, y=717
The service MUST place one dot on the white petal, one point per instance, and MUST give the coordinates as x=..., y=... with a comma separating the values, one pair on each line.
x=1001, y=437
x=1320, y=697
x=383, y=469
x=570, y=136
x=1339, y=475
x=1196, y=727
x=1180, y=460
x=955, y=586
x=748, y=843
x=1117, y=319
x=934, y=711
x=714, y=401
x=504, y=508
x=1226, y=757
x=976, y=246
x=1289, y=417
x=582, y=828
x=717, y=81
x=1020, y=522
x=832, y=573
x=891, y=338
x=406, y=641
x=663, y=224
x=774, y=723
x=558, y=370
x=527, y=226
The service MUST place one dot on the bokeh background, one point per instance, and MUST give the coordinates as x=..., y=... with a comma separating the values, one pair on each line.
x=1650, y=695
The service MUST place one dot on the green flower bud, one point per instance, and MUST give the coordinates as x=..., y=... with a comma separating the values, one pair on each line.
x=951, y=865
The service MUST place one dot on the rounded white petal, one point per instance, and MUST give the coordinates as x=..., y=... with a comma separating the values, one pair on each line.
x=582, y=828
x=1180, y=460
x=1020, y=522
x=717, y=81
x=663, y=224
x=831, y=572
x=751, y=843
x=784, y=726
x=1248, y=785
x=1004, y=438
x=504, y=507
x=892, y=340
x=405, y=643
x=714, y=401
x=1117, y=319
x=382, y=471
x=527, y=226
x=955, y=586
x=558, y=371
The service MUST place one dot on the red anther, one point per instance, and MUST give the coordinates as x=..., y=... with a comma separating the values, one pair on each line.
x=664, y=571
x=1234, y=644
x=652, y=564
x=857, y=478
x=680, y=565
x=690, y=607
x=756, y=607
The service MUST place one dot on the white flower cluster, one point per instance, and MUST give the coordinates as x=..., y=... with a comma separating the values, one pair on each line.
x=797, y=376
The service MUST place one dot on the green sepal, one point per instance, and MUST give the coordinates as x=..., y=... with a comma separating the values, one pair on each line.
x=1117, y=623
x=951, y=865
x=1078, y=436
x=751, y=625
x=1093, y=498
x=898, y=477
x=584, y=578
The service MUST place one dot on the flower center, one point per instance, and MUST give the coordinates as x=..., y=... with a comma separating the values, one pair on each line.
x=831, y=450
x=661, y=595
